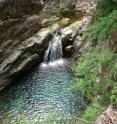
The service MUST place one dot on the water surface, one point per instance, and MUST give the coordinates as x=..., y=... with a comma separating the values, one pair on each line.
x=43, y=91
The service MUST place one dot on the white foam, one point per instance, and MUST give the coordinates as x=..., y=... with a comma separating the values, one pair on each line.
x=53, y=64
x=54, y=50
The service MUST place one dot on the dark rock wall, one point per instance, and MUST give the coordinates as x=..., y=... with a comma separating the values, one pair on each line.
x=46, y=8
x=18, y=8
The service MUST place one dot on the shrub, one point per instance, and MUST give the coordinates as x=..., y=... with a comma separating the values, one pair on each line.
x=94, y=110
x=105, y=7
x=103, y=27
x=89, y=81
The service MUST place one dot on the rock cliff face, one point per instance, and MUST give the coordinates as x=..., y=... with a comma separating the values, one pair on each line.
x=48, y=10
x=12, y=35
x=22, y=41
x=44, y=8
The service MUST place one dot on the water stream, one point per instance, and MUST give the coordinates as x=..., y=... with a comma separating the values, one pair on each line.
x=54, y=51
x=45, y=90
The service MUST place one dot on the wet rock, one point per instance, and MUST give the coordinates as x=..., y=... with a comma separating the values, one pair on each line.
x=109, y=116
x=69, y=51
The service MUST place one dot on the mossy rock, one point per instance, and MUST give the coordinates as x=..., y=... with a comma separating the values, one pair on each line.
x=64, y=22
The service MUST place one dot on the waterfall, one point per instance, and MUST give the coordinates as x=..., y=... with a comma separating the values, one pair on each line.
x=53, y=54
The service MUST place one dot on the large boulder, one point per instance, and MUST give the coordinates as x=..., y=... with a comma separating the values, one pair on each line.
x=72, y=35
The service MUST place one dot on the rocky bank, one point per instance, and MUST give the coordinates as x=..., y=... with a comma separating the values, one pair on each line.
x=26, y=27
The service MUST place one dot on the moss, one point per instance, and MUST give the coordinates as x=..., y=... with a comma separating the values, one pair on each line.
x=64, y=22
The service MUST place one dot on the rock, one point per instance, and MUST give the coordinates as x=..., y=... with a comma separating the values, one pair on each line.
x=24, y=54
x=111, y=42
x=109, y=116
x=49, y=11
x=69, y=51
x=79, y=38
x=70, y=33
x=85, y=6
x=78, y=44
x=50, y=21
x=64, y=22
x=46, y=9
x=26, y=63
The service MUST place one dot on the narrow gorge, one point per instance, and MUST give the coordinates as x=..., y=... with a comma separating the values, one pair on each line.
x=58, y=61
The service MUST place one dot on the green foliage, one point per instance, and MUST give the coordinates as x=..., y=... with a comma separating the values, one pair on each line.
x=94, y=110
x=24, y=120
x=89, y=79
x=98, y=88
x=103, y=26
x=87, y=72
x=49, y=119
x=104, y=7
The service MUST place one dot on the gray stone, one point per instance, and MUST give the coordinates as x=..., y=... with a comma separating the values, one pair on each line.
x=48, y=10
x=22, y=57
x=108, y=116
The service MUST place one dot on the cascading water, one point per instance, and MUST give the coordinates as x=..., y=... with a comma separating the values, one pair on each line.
x=54, y=51
x=45, y=90
x=53, y=55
